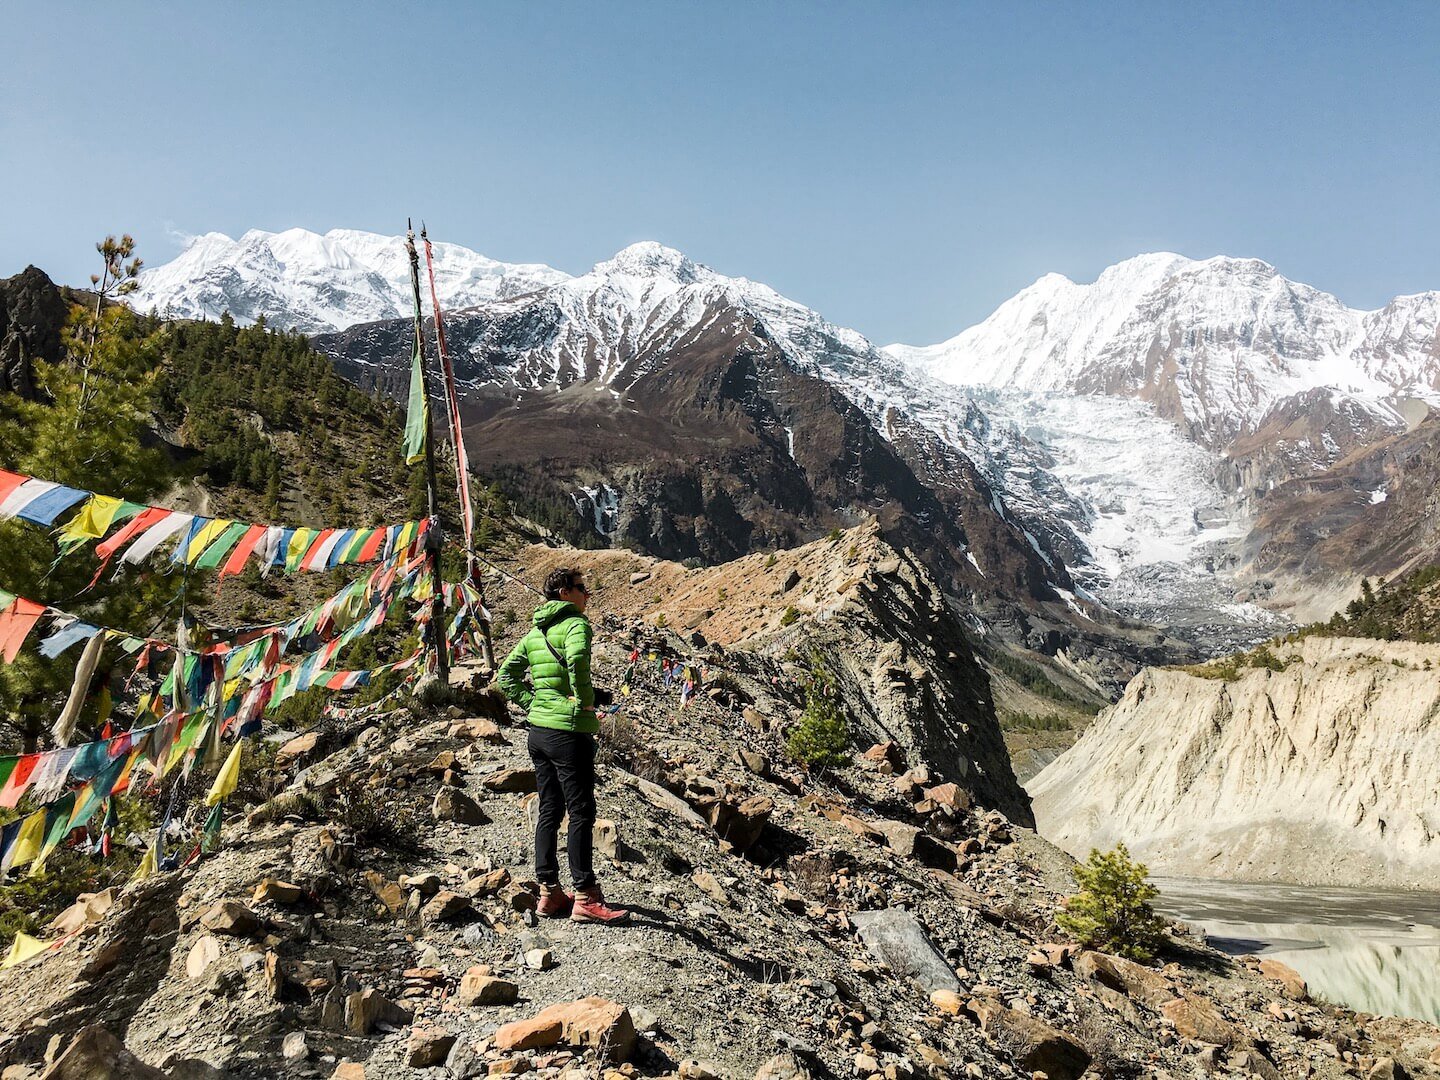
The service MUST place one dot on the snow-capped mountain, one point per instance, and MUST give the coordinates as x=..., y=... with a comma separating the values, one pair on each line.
x=1215, y=344
x=300, y=280
x=1122, y=431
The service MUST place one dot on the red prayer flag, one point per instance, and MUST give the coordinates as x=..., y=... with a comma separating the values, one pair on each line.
x=9, y=481
x=236, y=562
x=372, y=545
x=16, y=622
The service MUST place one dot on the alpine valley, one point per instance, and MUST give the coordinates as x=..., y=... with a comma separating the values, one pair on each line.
x=1202, y=447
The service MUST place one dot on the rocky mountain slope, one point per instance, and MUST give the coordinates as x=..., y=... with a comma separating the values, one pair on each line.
x=1311, y=765
x=1128, y=429
x=375, y=918
x=690, y=415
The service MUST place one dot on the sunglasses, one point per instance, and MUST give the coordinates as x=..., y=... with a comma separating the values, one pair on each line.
x=581, y=588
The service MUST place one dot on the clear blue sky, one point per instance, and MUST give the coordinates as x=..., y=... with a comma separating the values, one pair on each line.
x=902, y=167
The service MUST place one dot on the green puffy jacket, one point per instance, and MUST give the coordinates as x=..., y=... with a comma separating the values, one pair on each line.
x=557, y=696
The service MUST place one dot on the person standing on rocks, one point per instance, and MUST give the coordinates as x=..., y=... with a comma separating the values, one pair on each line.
x=560, y=703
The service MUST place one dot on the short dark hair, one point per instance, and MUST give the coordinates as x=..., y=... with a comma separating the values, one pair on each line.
x=560, y=580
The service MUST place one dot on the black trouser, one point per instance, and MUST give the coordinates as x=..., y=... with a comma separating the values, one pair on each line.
x=565, y=778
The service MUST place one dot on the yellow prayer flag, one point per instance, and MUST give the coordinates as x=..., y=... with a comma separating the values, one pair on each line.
x=23, y=949
x=91, y=522
x=208, y=532
x=28, y=842
x=146, y=867
x=227, y=778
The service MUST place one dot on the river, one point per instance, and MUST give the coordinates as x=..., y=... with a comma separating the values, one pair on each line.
x=1373, y=950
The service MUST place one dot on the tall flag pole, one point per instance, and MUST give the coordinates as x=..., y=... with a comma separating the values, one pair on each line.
x=462, y=458
x=434, y=537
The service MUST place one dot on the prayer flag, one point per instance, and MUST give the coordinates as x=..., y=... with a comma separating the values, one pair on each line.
x=252, y=538
x=27, y=843
x=16, y=622
x=417, y=416
x=156, y=535
x=227, y=778
x=67, y=634
x=319, y=552
x=300, y=543
x=9, y=481
x=221, y=545
x=24, y=948
x=342, y=545
x=94, y=520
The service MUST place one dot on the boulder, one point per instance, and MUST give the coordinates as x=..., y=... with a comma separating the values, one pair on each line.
x=510, y=781
x=386, y=891
x=479, y=987
x=1291, y=981
x=1196, y=1018
x=428, y=1045
x=452, y=804
x=230, y=917
x=486, y=884
x=1255, y=1063
x=296, y=749
x=897, y=940
x=784, y=1066
x=706, y=883
x=426, y=884
x=1135, y=980
x=639, y=576
x=947, y=1001
x=445, y=906
x=590, y=1022
x=277, y=892
x=949, y=797
x=606, y=838
x=738, y=821
x=368, y=1008
x=477, y=731
x=887, y=752
x=203, y=953
x=95, y=1054
x=1036, y=1045
x=540, y=959
x=295, y=1048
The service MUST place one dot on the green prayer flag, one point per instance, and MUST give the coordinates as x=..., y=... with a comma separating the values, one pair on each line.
x=417, y=418
x=221, y=546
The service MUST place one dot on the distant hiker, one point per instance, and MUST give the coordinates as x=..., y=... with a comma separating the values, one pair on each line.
x=560, y=702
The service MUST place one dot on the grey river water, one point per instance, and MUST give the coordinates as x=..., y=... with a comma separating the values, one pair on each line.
x=1374, y=950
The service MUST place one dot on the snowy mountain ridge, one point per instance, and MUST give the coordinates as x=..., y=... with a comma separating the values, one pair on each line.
x=1214, y=343
x=301, y=280
x=1101, y=416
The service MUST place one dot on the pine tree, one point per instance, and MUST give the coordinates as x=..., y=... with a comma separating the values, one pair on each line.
x=1112, y=911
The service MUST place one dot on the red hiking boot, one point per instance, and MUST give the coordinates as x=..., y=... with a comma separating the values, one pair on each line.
x=555, y=902
x=590, y=907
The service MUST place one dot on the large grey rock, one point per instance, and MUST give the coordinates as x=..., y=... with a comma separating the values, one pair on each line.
x=897, y=940
x=95, y=1054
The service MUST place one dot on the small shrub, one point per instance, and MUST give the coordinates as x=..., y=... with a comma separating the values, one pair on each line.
x=1113, y=911
x=770, y=561
x=379, y=818
x=833, y=535
x=789, y=616
x=661, y=621
x=822, y=737
x=720, y=595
